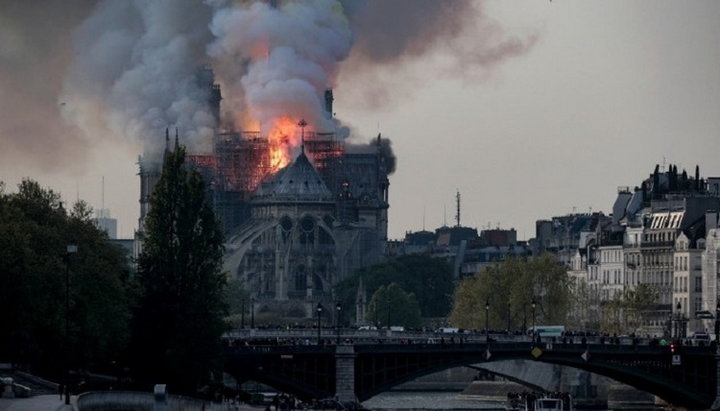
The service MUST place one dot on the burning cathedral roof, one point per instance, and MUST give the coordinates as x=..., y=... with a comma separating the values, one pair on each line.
x=298, y=182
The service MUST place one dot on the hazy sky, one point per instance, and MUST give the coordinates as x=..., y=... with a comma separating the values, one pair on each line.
x=600, y=93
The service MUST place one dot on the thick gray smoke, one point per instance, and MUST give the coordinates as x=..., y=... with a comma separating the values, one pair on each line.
x=32, y=62
x=391, y=34
x=128, y=68
x=280, y=58
x=135, y=70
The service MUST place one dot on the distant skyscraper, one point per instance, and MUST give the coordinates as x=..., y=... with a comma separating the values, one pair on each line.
x=105, y=223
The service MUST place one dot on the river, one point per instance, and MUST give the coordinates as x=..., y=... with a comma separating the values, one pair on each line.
x=429, y=400
x=444, y=400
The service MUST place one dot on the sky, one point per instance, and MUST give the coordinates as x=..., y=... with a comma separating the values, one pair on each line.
x=529, y=109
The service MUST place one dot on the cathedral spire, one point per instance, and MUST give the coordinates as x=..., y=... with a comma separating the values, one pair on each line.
x=302, y=125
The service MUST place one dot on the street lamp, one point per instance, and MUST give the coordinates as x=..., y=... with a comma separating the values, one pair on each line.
x=533, y=304
x=678, y=321
x=252, y=313
x=717, y=323
x=71, y=249
x=338, y=308
x=319, y=309
x=487, y=332
x=242, y=314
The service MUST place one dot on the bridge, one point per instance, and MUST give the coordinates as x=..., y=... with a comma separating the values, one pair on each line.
x=353, y=373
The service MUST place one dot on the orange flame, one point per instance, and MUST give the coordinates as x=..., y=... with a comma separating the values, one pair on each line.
x=281, y=139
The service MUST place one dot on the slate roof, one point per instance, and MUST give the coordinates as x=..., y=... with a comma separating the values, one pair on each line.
x=297, y=182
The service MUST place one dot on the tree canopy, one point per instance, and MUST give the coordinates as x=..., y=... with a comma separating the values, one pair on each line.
x=626, y=311
x=179, y=317
x=429, y=279
x=509, y=290
x=392, y=306
x=35, y=230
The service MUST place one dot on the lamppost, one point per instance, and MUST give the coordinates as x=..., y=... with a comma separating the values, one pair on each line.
x=533, y=303
x=717, y=323
x=319, y=309
x=338, y=308
x=508, y=318
x=71, y=249
x=252, y=313
x=242, y=314
x=678, y=321
x=487, y=329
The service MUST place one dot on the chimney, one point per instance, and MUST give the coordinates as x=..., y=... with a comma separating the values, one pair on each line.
x=711, y=220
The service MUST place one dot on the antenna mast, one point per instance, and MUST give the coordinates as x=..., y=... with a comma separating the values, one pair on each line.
x=457, y=216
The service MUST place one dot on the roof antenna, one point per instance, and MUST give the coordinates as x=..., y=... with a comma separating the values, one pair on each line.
x=457, y=199
x=302, y=125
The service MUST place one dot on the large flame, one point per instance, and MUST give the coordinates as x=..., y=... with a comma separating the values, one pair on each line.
x=282, y=137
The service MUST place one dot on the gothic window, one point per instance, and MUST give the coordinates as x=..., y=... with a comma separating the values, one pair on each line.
x=286, y=224
x=307, y=230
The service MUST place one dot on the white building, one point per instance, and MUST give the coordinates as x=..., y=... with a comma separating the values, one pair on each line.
x=612, y=271
x=687, y=285
x=711, y=269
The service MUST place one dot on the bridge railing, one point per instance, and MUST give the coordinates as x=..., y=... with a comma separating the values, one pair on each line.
x=308, y=336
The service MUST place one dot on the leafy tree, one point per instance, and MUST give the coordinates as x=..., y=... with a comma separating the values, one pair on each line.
x=236, y=297
x=34, y=232
x=392, y=306
x=429, y=279
x=509, y=289
x=585, y=306
x=627, y=311
x=179, y=318
x=238, y=302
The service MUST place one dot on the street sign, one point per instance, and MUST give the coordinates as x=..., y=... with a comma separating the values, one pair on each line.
x=676, y=359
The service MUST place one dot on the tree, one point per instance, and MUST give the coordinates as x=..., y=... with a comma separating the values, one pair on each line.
x=429, y=279
x=35, y=229
x=630, y=309
x=509, y=290
x=237, y=300
x=179, y=318
x=391, y=305
x=585, y=306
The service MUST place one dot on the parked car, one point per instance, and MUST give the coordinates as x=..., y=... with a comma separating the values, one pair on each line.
x=700, y=338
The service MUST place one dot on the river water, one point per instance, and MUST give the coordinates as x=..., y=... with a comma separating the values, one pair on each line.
x=443, y=400
x=429, y=400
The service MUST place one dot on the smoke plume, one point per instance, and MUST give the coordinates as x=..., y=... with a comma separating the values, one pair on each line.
x=279, y=59
x=135, y=71
x=31, y=65
x=389, y=35
x=128, y=69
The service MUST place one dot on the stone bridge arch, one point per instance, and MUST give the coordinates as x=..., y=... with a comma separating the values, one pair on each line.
x=311, y=371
